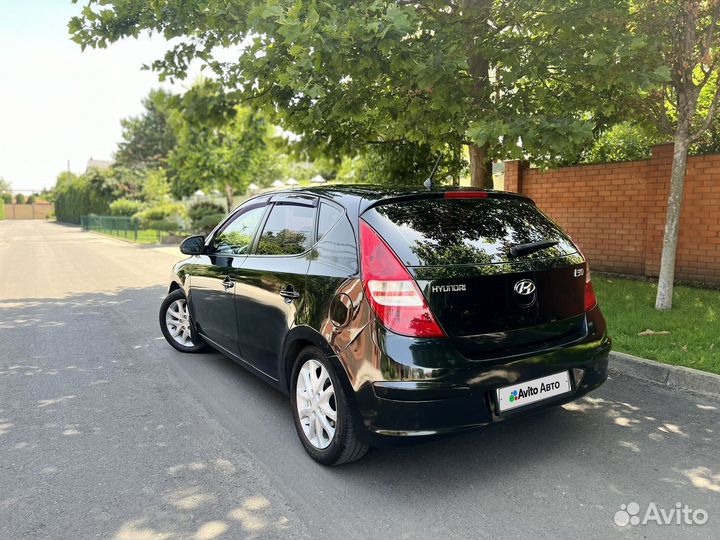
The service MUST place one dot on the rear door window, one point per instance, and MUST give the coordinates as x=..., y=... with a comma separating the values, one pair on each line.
x=440, y=232
x=287, y=231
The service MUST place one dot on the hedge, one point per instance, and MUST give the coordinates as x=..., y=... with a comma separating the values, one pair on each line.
x=78, y=198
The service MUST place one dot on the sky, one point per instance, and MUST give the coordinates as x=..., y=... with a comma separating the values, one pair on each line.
x=58, y=104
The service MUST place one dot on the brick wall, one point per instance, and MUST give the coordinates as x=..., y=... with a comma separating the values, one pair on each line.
x=615, y=212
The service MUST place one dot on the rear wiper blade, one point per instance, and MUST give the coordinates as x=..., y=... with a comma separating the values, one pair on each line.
x=526, y=249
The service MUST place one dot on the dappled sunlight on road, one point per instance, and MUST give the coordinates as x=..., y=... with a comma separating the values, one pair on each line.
x=649, y=431
x=47, y=313
x=5, y=425
x=248, y=517
x=703, y=478
x=47, y=402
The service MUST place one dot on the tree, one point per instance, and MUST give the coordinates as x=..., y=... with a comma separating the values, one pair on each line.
x=156, y=188
x=226, y=155
x=527, y=78
x=684, y=34
x=5, y=186
x=149, y=138
x=19, y=198
x=408, y=164
x=91, y=193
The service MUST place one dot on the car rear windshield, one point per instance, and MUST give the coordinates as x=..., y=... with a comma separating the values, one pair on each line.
x=440, y=232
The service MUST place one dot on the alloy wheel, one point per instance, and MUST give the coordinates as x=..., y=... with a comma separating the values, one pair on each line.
x=177, y=321
x=316, y=404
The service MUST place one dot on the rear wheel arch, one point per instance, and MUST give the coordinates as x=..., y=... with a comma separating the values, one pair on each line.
x=305, y=336
x=297, y=339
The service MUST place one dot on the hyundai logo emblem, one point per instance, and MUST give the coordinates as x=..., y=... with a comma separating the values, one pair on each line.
x=525, y=287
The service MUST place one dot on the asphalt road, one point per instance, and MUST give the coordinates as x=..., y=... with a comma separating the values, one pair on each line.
x=108, y=432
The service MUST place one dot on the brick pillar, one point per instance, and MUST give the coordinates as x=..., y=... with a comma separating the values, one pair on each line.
x=514, y=176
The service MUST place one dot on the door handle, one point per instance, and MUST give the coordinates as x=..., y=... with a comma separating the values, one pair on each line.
x=228, y=283
x=289, y=293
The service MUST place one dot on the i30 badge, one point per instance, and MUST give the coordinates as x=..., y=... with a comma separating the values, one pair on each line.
x=525, y=292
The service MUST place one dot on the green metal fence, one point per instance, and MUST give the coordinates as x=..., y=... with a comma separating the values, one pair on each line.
x=122, y=226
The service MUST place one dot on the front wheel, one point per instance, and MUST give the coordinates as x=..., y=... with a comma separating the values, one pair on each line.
x=321, y=411
x=176, y=325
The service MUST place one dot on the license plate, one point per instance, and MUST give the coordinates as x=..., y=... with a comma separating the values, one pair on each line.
x=528, y=392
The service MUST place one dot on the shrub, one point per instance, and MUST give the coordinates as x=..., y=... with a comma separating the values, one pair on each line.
x=31, y=199
x=19, y=198
x=622, y=142
x=7, y=198
x=126, y=207
x=163, y=217
x=204, y=216
x=2, y=210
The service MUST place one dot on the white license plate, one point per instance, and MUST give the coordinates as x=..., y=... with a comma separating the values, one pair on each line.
x=525, y=393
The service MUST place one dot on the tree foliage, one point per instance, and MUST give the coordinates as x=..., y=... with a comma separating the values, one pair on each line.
x=225, y=152
x=522, y=78
x=149, y=138
x=155, y=187
x=408, y=163
x=5, y=186
x=204, y=216
x=625, y=141
x=76, y=196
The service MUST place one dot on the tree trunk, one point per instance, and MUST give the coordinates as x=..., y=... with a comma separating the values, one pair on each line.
x=480, y=159
x=229, y=197
x=663, y=299
x=480, y=167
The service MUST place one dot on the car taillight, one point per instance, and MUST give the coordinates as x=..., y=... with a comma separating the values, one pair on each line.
x=590, y=298
x=391, y=290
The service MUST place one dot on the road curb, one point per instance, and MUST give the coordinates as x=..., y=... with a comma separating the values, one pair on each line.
x=678, y=377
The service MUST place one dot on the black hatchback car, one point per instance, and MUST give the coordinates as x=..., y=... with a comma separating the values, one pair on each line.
x=393, y=314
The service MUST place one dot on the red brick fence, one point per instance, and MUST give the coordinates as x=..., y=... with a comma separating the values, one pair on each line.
x=616, y=211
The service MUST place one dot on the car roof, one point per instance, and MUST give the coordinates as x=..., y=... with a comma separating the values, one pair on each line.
x=364, y=196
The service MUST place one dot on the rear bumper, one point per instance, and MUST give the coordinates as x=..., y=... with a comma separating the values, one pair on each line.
x=436, y=401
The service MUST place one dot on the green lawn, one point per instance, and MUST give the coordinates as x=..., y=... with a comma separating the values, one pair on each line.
x=144, y=236
x=693, y=322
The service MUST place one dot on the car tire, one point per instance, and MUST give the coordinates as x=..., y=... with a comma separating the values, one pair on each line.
x=181, y=335
x=344, y=444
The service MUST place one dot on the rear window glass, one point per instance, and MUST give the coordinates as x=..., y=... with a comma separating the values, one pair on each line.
x=438, y=232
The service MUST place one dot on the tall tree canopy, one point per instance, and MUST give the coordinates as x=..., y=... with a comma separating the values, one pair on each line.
x=149, y=138
x=217, y=147
x=510, y=78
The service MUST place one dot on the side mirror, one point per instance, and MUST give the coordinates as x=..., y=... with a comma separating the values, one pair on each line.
x=193, y=245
